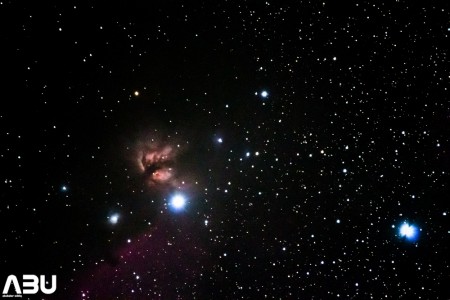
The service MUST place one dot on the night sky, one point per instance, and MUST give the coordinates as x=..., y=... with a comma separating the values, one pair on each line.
x=226, y=149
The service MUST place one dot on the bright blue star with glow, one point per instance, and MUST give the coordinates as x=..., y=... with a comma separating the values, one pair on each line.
x=408, y=231
x=113, y=219
x=264, y=94
x=178, y=202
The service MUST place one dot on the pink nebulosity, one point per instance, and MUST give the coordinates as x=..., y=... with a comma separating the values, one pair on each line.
x=163, y=263
x=152, y=156
x=162, y=175
x=155, y=162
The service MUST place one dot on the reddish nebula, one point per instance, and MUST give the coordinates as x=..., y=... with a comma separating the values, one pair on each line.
x=157, y=164
x=162, y=163
x=162, y=175
x=163, y=263
x=152, y=155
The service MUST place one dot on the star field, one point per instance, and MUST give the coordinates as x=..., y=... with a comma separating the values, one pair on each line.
x=226, y=149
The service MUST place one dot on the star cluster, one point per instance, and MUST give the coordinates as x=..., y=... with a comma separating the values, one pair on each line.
x=226, y=149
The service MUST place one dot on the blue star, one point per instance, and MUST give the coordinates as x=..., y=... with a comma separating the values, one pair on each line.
x=113, y=219
x=178, y=202
x=408, y=231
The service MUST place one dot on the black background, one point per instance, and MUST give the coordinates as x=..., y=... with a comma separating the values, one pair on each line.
x=365, y=83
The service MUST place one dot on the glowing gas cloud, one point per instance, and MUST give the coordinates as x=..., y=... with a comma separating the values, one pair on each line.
x=156, y=162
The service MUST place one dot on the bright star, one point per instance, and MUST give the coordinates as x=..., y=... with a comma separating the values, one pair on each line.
x=264, y=94
x=113, y=219
x=178, y=202
x=64, y=188
x=408, y=231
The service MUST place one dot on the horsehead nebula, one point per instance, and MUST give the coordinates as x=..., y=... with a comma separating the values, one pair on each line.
x=154, y=227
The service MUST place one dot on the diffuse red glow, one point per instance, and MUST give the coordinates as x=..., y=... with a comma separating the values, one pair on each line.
x=156, y=163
